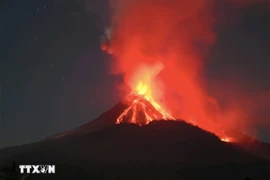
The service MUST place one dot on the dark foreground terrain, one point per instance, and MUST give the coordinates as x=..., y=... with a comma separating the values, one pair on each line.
x=160, y=150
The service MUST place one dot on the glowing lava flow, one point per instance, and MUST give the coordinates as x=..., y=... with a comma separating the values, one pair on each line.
x=225, y=139
x=142, y=109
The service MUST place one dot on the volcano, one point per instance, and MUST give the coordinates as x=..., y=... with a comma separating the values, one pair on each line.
x=142, y=110
x=135, y=108
x=136, y=139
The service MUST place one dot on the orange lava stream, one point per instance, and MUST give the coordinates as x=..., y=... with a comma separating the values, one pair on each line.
x=149, y=113
x=144, y=107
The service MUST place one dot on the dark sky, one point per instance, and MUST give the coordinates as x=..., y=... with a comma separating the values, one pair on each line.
x=54, y=77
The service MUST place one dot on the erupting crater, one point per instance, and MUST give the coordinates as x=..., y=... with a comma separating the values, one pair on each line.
x=142, y=109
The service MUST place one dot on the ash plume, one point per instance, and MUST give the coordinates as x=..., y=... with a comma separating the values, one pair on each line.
x=178, y=35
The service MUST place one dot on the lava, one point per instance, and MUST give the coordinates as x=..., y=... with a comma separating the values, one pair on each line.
x=142, y=108
x=161, y=48
x=225, y=139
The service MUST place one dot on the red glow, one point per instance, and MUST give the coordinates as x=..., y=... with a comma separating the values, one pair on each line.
x=161, y=46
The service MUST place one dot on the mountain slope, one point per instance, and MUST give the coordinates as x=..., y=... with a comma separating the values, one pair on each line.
x=136, y=109
x=159, y=149
x=132, y=141
x=104, y=120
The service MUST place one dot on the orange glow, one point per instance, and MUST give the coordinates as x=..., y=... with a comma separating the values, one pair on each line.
x=226, y=139
x=142, y=108
x=161, y=46
x=141, y=88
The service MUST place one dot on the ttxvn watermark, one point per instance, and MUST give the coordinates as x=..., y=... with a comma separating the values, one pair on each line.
x=37, y=169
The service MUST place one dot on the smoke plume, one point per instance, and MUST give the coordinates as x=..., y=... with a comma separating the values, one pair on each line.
x=167, y=42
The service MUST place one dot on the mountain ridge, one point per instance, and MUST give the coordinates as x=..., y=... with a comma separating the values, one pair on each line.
x=124, y=149
x=159, y=149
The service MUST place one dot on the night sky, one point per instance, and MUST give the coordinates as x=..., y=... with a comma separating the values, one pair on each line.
x=54, y=77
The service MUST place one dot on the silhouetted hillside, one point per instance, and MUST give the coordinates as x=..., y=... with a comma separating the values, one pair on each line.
x=160, y=150
x=106, y=119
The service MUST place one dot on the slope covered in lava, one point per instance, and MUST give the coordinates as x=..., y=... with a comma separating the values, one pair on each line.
x=141, y=110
